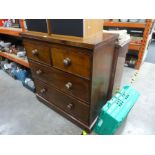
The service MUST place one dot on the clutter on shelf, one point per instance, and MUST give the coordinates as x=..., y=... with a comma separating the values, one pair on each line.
x=123, y=36
x=10, y=23
x=29, y=84
x=18, y=72
x=131, y=60
x=126, y=20
x=18, y=50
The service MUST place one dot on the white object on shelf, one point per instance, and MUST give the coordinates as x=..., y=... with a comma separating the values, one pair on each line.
x=134, y=20
x=124, y=20
x=142, y=20
x=123, y=36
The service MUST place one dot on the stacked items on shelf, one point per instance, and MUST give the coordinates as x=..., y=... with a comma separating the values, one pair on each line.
x=139, y=31
x=13, y=49
x=12, y=27
x=17, y=50
x=14, y=52
x=19, y=73
x=13, y=69
x=126, y=20
x=123, y=37
x=15, y=23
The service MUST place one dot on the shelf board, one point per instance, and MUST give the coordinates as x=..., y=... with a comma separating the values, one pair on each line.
x=10, y=31
x=14, y=58
x=124, y=24
x=134, y=46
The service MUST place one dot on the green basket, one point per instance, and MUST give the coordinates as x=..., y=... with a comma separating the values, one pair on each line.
x=116, y=110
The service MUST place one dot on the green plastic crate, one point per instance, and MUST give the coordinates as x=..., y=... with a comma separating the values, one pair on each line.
x=116, y=110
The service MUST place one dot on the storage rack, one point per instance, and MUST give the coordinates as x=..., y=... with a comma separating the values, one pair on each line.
x=16, y=33
x=139, y=48
x=14, y=58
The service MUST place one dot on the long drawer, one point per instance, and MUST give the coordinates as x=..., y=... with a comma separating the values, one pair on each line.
x=72, y=106
x=38, y=51
x=63, y=81
x=72, y=60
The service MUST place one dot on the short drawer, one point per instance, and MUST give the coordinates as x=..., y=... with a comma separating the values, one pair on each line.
x=38, y=51
x=72, y=106
x=72, y=60
x=66, y=82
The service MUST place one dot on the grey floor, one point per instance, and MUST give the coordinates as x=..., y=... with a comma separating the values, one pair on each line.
x=151, y=53
x=141, y=119
x=22, y=113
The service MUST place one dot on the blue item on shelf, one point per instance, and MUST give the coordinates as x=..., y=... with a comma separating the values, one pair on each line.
x=29, y=84
x=20, y=74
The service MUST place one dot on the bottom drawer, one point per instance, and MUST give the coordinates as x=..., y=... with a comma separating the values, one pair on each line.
x=68, y=104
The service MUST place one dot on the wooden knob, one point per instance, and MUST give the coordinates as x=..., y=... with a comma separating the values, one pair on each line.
x=43, y=90
x=38, y=72
x=69, y=106
x=68, y=85
x=67, y=61
x=35, y=52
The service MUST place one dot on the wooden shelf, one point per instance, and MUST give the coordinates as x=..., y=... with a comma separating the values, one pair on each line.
x=11, y=31
x=124, y=24
x=134, y=46
x=15, y=59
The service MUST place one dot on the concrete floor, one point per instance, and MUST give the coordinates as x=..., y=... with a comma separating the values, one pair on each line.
x=141, y=119
x=22, y=113
x=151, y=53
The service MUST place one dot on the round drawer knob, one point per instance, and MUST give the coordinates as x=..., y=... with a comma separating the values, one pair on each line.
x=38, y=72
x=68, y=85
x=43, y=90
x=35, y=52
x=67, y=61
x=69, y=106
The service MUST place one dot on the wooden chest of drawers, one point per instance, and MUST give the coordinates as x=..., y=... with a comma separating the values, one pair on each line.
x=72, y=76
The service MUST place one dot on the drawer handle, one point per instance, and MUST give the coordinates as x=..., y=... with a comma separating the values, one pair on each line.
x=42, y=90
x=67, y=61
x=38, y=72
x=35, y=52
x=69, y=106
x=68, y=85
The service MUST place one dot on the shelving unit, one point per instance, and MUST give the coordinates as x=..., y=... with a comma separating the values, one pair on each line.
x=134, y=46
x=149, y=24
x=13, y=31
x=14, y=58
x=16, y=33
x=124, y=24
x=139, y=48
x=10, y=31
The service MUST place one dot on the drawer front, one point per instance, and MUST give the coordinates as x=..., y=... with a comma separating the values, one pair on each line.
x=38, y=51
x=72, y=60
x=66, y=103
x=67, y=83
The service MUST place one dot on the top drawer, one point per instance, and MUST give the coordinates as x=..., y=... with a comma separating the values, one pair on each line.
x=72, y=60
x=38, y=51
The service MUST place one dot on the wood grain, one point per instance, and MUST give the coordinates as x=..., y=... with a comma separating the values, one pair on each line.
x=101, y=75
x=80, y=87
x=80, y=60
x=89, y=43
x=78, y=109
x=42, y=48
x=88, y=67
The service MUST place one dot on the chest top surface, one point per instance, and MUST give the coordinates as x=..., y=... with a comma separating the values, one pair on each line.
x=89, y=43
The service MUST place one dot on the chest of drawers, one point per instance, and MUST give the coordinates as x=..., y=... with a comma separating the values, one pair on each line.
x=72, y=76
